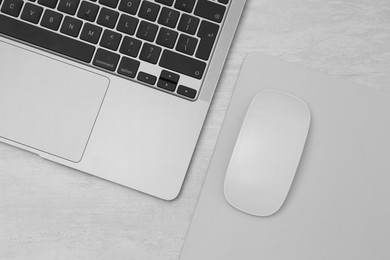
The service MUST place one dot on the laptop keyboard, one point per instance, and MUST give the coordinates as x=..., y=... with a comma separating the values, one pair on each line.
x=165, y=44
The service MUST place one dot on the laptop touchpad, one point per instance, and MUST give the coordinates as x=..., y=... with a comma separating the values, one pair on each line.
x=47, y=104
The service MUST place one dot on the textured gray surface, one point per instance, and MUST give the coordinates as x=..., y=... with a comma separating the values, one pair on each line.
x=48, y=211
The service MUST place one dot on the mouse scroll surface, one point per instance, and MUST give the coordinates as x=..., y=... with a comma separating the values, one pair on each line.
x=267, y=153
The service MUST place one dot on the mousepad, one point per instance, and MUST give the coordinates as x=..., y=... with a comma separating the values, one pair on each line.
x=339, y=204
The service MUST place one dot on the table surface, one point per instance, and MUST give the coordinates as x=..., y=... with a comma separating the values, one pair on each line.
x=48, y=211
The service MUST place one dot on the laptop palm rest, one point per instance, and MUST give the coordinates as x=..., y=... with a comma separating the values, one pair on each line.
x=54, y=115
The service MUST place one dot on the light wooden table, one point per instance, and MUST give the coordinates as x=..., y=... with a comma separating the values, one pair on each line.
x=48, y=211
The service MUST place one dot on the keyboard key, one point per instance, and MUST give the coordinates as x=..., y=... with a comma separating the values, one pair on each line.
x=32, y=13
x=147, y=31
x=166, y=38
x=210, y=10
x=182, y=64
x=186, y=44
x=128, y=67
x=167, y=85
x=110, y=40
x=207, y=34
x=68, y=6
x=188, y=24
x=174, y=62
x=71, y=26
x=150, y=53
x=88, y=11
x=51, y=19
x=109, y=3
x=48, y=3
x=107, y=18
x=165, y=2
x=130, y=46
x=106, y=59
x=187, y=92
x=46, y=39
x=91, y=33
x=12, y=7
x=168, y=17
x=185, y=5
x=169, y=76
x=149, y=11
x=129, y=6
x=223, y=1
x=127, y=24
x=146, y=78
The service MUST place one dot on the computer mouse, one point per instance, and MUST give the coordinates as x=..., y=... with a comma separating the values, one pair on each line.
x=267, y=153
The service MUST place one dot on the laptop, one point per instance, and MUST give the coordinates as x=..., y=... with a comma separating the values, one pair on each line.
x=118, y=89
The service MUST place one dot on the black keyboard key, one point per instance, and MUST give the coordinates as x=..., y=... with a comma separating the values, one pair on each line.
x=150, y=53
x=107, y=17
x=149, y=11
x=48, y=3
x=182, y=64
x=128, y=67
x=223, y=1
x=167, y=85
x=110, y=40
x=147, y=31
x=210, y=10
x=127, y=24
x=46, y=39
x=207, y=34
x=129, y=6
x=68, y=6
x=169, y=76
x=166, y=38
x=188, y=24
x=185, y=5
x=165, y=2
x=187, y=92
x=109, y=3
x=91, y=33
x=146, y=78
x=88, y=11
x=51, y=19
x=71, y=26
x=168, y=17
x=12, y=7
x=32, y=13
x=106, y=59
x=130, y=46
x=186, y=44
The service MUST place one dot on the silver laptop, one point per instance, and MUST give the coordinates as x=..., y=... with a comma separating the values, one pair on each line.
x=115, y=88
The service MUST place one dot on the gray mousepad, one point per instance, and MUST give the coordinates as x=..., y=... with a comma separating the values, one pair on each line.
x=339, y=204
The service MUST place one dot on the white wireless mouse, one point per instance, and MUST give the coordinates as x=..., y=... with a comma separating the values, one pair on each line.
x=267, y=153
